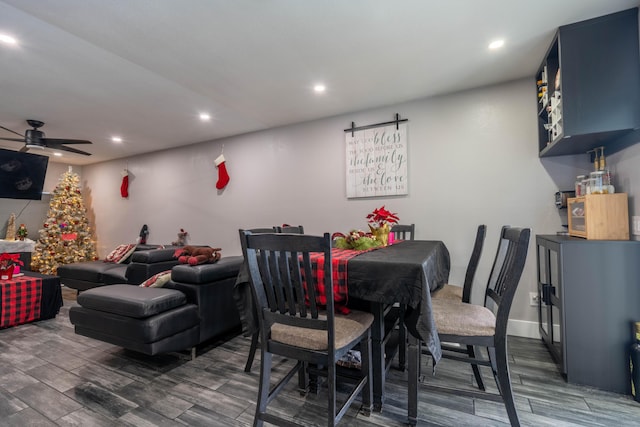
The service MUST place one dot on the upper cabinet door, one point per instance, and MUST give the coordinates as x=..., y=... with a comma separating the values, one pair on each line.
x=589, y=85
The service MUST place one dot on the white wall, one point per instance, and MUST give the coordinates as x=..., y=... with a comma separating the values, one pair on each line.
x=472, y=159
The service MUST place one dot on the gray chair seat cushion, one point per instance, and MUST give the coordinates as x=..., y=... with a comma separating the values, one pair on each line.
x=205, y=273
x=459, y=318
x=450, y=292
x=348, y=327
x=130, y=300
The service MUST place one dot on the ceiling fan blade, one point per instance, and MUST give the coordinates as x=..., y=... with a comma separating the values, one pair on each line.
x=13, y=139
x=55, y=141
x=12, y=131
x=72, y=150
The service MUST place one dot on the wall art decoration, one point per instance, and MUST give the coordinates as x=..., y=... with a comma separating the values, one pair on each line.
x=376, y=159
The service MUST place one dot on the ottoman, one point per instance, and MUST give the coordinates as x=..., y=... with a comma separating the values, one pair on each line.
x=146, y=320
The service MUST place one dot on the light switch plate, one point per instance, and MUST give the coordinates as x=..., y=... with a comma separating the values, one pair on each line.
x=636, y=225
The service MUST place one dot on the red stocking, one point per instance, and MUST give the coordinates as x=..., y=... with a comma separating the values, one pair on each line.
x=124, y=187
x=223, y=176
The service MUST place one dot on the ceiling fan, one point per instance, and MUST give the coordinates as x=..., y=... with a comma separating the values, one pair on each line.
x=34, y=138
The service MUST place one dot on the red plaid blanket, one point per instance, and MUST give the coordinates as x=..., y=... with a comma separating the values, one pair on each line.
x=21, y=300
x=339, y=260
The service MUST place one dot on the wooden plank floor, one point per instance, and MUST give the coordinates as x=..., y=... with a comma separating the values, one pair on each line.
x=49, y=376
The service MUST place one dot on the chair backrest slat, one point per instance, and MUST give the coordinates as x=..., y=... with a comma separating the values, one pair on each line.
x=505, y=273
x=291, y=229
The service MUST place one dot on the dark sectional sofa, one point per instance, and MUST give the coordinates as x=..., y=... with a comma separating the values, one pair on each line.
x=146, y=261
x=195, y=306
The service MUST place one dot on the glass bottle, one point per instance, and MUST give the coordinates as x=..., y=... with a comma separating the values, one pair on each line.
x=579, y=186
x=635, y=364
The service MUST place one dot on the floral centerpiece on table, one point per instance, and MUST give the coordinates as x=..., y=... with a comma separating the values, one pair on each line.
x=380, y=221
x=7, y=264
x=355, y=239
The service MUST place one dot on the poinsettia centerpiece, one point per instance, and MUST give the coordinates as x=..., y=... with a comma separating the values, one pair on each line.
x=381, y=217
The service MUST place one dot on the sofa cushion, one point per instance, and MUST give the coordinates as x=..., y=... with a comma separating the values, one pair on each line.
x=131, y=301
x=90, y=271
x=205, y=273
x=120, y=253
x=150, y=329
x=157, y=280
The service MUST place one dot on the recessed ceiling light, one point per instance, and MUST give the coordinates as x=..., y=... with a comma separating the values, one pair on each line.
x=496, y=44
x=5, y=38
x=319, y=88
x=116, y=139
x=205, y=117
x=57, y=154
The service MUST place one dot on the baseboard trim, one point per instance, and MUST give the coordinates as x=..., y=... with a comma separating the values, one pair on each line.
x=523, y=328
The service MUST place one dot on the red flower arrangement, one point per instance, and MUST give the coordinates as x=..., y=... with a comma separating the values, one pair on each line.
x=7, y=262
x=380, y=217
x=9, y=259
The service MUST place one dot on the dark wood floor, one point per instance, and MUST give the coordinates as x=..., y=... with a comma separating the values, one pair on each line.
x=49, y=376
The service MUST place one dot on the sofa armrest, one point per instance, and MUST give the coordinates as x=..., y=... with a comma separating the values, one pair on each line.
x=216, y=307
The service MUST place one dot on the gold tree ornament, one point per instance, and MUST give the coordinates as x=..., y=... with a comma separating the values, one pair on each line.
x=67, y=217
x=11, y=228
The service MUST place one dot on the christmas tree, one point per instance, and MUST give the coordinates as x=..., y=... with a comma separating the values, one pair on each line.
x=66, y=237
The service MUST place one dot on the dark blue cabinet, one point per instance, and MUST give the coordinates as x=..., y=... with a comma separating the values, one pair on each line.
x=589, y=299
x=589, y=85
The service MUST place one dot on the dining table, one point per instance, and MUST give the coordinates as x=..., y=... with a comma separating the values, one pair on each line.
x=404, y=274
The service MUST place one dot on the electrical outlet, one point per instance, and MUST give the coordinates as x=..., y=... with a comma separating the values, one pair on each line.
x=533, y=299
x=636, y=225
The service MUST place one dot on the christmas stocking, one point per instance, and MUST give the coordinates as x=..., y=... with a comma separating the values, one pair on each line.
x=223, y=176
x=124, y=187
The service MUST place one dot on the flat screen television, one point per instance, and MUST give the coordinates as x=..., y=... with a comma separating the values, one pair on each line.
x=22, y=175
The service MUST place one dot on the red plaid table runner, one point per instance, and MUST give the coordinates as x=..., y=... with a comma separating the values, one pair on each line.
x=339, y=260
x=21, y=300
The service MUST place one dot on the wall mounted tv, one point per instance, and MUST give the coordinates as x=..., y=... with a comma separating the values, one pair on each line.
x=22, y=175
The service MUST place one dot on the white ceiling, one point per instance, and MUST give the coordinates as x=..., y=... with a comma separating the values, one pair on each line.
x=144, y=69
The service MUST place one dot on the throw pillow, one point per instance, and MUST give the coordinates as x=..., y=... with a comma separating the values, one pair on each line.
x=157, y=280
x=121, y=253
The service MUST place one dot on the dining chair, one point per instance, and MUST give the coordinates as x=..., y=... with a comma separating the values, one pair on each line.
x=255, y=335
x=486, y=326
x=299, y=229
x=287, y=288
x=463, y=294
x=403, y=231
x=293, y=229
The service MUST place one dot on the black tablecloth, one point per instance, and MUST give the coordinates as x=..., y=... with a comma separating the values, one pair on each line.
x=407, y=273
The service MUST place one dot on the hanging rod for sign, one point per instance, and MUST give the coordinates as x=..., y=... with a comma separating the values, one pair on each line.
x=397, y=121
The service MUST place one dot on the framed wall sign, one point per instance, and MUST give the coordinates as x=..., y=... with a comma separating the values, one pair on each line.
x=377, y=160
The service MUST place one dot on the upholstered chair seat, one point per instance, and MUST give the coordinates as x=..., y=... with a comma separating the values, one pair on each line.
x=459, y=318
x=347, y=328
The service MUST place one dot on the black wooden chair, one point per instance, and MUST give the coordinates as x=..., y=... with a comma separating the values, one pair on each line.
x=463, y=294
x=486, y=326
x=295, y=326
x=275, y=229
x=292, y=229
x=404, y=231
x=400, y=232
x=256, y=334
